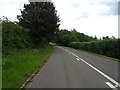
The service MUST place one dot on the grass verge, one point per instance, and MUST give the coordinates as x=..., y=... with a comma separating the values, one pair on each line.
x=20, y=65
x=115, y=59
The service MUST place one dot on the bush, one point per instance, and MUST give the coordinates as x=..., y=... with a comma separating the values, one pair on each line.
x=108, y=47
x=14, y=37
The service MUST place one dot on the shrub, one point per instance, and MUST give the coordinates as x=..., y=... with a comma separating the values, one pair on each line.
x=14, y=37
x=108, y=47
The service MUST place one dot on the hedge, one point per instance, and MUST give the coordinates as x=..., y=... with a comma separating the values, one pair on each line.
x=108, y=47
x=14, y=37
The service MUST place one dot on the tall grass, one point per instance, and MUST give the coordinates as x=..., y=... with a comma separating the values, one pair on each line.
x=18, y=66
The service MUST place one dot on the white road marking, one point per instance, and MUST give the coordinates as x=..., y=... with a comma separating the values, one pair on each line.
x=111, y=86
x=106, y=76
x=78, y=59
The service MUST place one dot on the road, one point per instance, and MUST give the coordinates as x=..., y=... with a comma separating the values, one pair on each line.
x=70, y=68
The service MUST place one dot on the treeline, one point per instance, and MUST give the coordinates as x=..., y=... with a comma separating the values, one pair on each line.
x=104, y=46
x=42, y=25
x=64, y=37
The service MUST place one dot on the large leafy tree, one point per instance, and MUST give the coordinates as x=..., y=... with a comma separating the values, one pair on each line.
x=64, y=37
x=41, y=18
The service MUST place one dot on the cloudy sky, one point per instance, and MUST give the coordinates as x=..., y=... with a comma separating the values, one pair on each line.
x=92, y=17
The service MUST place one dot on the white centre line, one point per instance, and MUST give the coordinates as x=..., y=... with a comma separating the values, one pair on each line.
x=106, y=76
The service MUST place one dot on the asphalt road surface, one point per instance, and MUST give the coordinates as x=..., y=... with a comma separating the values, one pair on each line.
x=70, y=68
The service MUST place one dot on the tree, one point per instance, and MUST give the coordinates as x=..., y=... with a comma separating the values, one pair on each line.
x=107, y=37
x=112, y=37
x=41, y=18
x=95, y=37
x=65, y=37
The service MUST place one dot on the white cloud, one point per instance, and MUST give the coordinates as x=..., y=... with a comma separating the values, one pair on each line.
x=11, y=8
x=91, y=17
x=100, y=26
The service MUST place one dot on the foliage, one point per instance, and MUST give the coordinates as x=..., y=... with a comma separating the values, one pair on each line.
x=14, y=36
x=107, y=37
x=18, y=52
x=65, y=37
x=17, y=42
x=41, y=18
x=108, y=47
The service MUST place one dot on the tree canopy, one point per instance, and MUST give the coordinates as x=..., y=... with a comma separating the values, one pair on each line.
x=64, y=37
x=41, y=18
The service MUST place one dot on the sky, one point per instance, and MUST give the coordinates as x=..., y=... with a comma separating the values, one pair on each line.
x=91, y=17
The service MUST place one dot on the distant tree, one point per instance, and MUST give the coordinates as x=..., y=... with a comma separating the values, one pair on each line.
x=73, y=30
x=5, y=19
x=100, y=38
x=107, y=37
x=95, y=37
x=41, y=18
x=65, y=37
x=112, y=37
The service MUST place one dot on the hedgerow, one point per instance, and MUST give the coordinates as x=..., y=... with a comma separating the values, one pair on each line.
x=14, y=37
x=108, y=47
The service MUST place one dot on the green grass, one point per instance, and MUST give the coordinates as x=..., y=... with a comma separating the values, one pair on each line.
x=115, y=59
x=20, y=65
